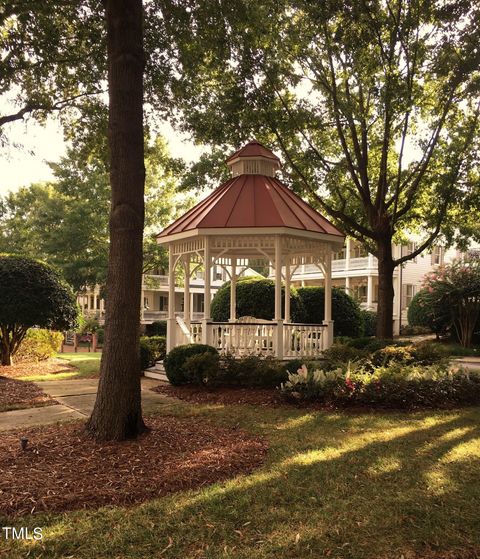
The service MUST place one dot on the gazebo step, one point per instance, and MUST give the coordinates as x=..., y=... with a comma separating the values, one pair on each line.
x=157, y=376
x=156, y=372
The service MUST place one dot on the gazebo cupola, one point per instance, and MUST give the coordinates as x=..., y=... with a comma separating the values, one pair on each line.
x=253, y=159
x=251, y=217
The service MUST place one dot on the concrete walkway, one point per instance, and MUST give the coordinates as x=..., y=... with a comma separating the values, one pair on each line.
x=468, y=362
x=75, y=401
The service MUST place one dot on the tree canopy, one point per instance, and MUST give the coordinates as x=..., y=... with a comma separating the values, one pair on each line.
x=65, y=222
x=31, y=294
x=374, y=106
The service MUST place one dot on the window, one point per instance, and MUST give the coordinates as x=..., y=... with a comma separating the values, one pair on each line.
x=437, y=256
x=411, y=247
x=340, y=255
x=408, y=293
x=92, y=302
x=163, y=303
x=358, y=251
x=360, y=293
x=98, y=303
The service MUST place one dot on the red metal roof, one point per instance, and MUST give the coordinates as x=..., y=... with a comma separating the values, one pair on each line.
x=252, y=201
x=253, y=149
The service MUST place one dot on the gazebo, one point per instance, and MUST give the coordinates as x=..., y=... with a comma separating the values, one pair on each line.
x=252, y=217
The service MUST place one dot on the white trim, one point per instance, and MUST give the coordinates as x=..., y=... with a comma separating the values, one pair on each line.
x=225, y=231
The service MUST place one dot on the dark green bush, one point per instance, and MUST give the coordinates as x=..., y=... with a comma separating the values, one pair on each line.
x=369, y=322
x=158, y=328
x=345, y=310
x=175, y=361
x=343, y=353
x=32, y=294
x=255, y=297
x=252, y=371
x=370, y=344
x=100, y=336
x=407, y=330
x=423, y=311
x=427, y=353
x=152, y=349
x=202, y=368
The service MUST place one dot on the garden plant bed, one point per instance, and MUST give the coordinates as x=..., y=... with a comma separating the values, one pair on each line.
x=177, y=454
x=224, y=395
x=18, y=394
x=48, y=367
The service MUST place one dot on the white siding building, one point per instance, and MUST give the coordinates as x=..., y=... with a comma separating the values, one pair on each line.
x=356, y=271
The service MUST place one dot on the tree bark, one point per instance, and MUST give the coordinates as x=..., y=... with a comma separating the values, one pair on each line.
x=117, y=413
x=385, y=290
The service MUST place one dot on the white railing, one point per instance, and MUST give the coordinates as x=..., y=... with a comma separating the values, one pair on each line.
x=239, y=339
x=163, y=315
x=358, y=263
x=303, y=340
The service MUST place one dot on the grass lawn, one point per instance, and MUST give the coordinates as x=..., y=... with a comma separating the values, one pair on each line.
x=86, y=365
x=337, y=485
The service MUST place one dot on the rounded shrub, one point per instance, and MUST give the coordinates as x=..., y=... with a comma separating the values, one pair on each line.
x=39, y=344
x=369, y=320
x=175, y=360
x=32, y=294
x=255, y=297
x=423, y=311
x=157, y=328
x=345, y=310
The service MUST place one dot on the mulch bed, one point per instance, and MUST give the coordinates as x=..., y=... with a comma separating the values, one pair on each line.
x=62, y=469
x=225, y=395
x=17, y=394
x=48, y=367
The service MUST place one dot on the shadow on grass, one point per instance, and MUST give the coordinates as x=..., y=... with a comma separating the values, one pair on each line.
x=334, y=485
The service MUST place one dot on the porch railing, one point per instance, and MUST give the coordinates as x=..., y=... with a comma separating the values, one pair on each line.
x=245, y=338
x=303, y=340
x=255, y=338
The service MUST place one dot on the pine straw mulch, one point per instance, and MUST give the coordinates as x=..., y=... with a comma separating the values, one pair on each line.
x=63, y=469
x=18, y=394
x=49, y=367
x=224, y=395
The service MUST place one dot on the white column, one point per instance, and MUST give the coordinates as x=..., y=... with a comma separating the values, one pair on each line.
x=347, y=254
x=278, y=278
x=369, y=292
x=233, y=291
x=347, y=265
x=278, y=298
x=207, y=263
x=186, y=292
x=171, y=323
x=287, y=290
x=328, y=299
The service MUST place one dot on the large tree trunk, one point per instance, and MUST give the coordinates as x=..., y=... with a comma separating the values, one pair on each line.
x=117, y=413
x=5, y=355
x=385, y=290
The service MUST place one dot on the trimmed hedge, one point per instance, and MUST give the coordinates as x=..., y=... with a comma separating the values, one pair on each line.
x=152, y=349
x=369, y=322
x=175, y=360
x=345, y=310
x=255, y=297
x=157, y=328
x=422, y=311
